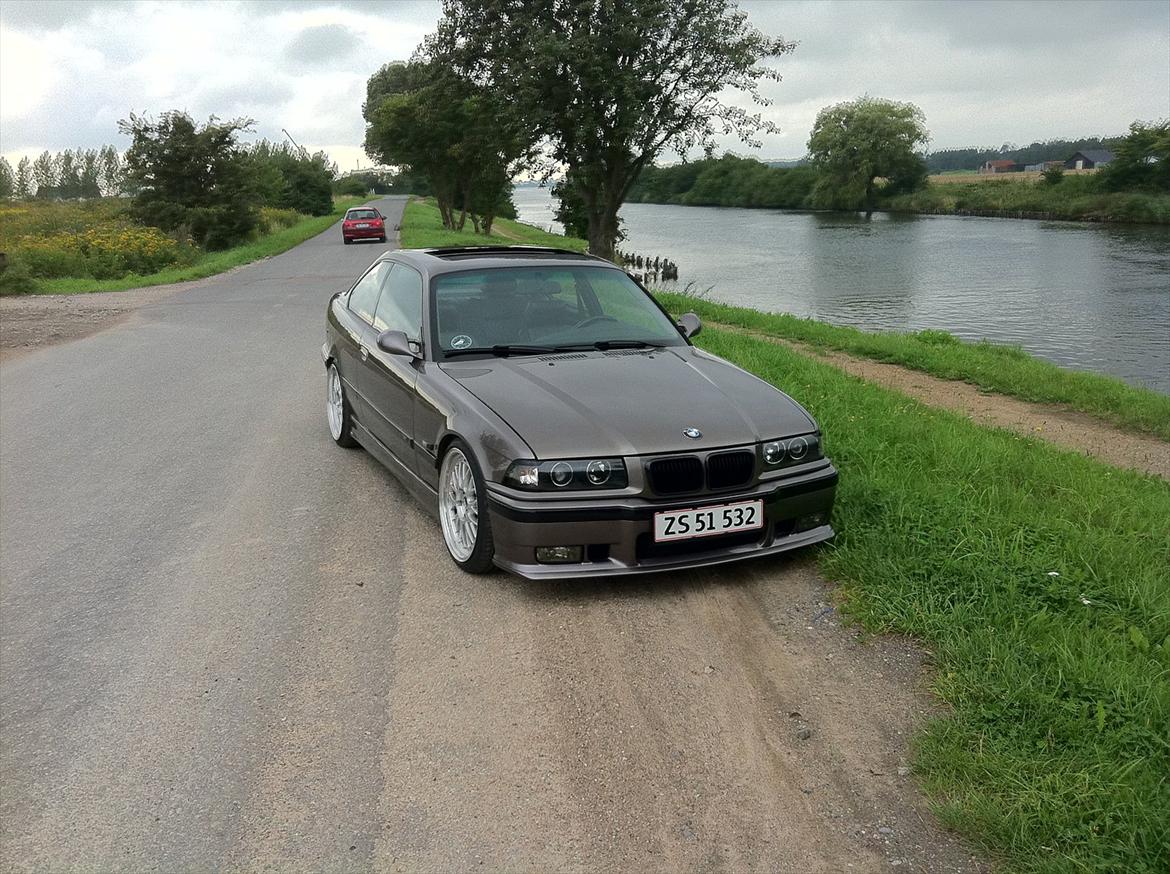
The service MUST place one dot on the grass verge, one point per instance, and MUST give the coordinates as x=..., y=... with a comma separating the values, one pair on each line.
x=422, y=228
x=1040, y=579
x=210, y=263
x=1006, y=370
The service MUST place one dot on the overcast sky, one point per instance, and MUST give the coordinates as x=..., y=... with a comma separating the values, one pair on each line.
x=985, y=73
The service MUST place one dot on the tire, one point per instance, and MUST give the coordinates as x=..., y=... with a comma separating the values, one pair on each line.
x=347, y=240
x=457, y=473
x=337, y=411
x=382, y=239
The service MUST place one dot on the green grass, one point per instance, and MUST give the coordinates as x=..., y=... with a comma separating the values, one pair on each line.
x=423, y=228
x=1003, y=369
x=1041, y=581
x=211, y=263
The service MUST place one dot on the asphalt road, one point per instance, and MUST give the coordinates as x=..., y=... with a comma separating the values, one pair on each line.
x=226, y=643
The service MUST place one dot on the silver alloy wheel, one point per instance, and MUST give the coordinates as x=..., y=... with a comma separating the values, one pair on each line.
x=458, y=505
x=335, y=403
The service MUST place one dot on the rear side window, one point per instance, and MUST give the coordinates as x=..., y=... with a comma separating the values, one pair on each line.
x=400, y=307
x=363, y=300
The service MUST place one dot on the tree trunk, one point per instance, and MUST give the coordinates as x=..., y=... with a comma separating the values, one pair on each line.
x=869, y=198
x=488, y=220
x=603, y=228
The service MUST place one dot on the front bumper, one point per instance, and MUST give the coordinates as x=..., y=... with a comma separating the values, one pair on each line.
x=618, y=534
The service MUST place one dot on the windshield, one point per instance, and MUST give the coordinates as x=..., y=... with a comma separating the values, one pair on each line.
x=545, y=307
x=361, y=214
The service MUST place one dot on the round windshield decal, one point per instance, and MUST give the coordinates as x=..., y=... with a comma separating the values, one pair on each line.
x=460, y=341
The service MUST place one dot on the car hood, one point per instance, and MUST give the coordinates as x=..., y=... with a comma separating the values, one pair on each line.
x=629, y=402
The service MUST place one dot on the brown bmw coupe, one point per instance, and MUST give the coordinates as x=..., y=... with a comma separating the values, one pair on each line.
x=558, y=422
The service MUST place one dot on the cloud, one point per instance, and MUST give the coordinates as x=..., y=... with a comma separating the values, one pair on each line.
x=983, y=72
x=322, y=44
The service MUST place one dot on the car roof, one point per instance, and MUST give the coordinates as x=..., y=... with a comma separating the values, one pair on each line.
x=458, y=258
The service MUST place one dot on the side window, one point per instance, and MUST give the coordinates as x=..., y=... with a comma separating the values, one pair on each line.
x=400, y=307
x=363, y=300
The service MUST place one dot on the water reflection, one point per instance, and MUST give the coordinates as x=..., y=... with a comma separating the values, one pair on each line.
x=1095, y=297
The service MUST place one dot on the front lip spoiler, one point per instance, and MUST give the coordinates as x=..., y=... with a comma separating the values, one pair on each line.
x=541, y=572
x=645, y=511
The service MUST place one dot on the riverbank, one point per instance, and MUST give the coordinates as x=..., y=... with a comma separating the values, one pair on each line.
x=1035, y=576
x=205, y=264
x=422, y=227
x=744, y=182
x=991, y=367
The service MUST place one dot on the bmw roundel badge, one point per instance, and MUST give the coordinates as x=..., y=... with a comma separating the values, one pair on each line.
x=693, y=433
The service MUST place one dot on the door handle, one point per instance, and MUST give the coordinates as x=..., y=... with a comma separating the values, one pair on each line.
x=365, y=353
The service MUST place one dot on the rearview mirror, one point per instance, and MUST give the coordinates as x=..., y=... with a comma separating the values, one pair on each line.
x=396, y=343
x=690, y=324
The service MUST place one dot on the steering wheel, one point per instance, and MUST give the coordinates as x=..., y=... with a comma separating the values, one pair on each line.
x=593, y=320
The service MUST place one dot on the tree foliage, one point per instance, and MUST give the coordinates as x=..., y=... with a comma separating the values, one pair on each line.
x=610, y=84
x=464, y=138
x=1141, y=161
x=855, y=144
x=7, y=180
x=291, y=178
x=193, y=177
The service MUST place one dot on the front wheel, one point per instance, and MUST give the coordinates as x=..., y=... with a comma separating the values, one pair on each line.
x=337, y=409
x=463, y=514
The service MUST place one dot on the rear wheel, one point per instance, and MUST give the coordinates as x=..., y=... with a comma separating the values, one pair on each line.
x=337, y=409
x=463, y=514
x=382, y=238
x=346, y=239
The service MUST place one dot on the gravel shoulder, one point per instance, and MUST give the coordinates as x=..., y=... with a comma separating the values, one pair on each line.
x=1069, y=429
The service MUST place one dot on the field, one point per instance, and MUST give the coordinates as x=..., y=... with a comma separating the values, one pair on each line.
x=959, y=176
x=1037, y=577
x=82, y=246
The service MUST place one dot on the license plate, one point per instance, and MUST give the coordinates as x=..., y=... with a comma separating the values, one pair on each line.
x=363, y=224
x=706, y=521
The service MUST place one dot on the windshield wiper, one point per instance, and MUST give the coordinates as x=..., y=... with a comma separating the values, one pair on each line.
x=604, y=345
x=502, y=350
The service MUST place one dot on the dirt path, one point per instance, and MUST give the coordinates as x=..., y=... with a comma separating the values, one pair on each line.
x=30, y=321
x=1069, y=429
x=689, y=722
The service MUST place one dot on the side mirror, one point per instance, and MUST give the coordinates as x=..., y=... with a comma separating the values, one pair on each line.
x=396, y=343
x=690, y=325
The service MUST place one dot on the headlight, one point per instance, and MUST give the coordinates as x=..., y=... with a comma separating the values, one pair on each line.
x=553, y=476
x=794, y=450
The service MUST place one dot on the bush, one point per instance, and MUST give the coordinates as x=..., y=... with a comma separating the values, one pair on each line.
x=104, y=252
x=273, y=219
x=1053, y=175
x=15, y=278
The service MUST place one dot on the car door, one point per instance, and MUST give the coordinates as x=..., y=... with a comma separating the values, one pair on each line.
x=357, y=336
x=390, y=379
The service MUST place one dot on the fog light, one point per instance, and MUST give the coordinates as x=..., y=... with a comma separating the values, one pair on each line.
x=558, y=554
x=813, y=520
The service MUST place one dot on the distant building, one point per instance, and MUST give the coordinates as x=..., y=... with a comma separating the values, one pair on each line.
x=1043, y=165
x=1088, y=159
x=1003, y=166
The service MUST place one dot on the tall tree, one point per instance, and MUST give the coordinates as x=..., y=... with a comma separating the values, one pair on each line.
x=68, y=175
x=111, y=175
x=24, y=187
x=89, y=175
x=192, y=176
x=856, y=143
x=613, y=83
x=7, y=180
x=44, y=171
x=466, y=140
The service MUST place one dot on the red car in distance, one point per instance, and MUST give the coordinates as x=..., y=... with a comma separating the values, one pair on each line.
x=363, y=223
